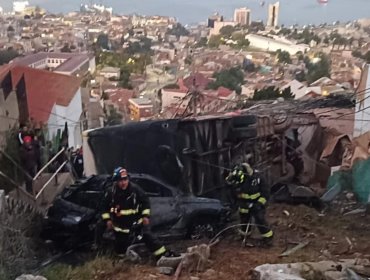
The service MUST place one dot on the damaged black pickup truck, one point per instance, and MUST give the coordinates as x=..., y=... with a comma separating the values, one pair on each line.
x=74, y=216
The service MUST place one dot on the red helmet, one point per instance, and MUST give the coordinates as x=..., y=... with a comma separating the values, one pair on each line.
x=27, y=139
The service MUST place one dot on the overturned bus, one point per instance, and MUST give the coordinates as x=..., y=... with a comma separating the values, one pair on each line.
x=192, y=154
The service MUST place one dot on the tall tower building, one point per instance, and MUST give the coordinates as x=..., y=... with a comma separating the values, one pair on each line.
x=273, y=17
x=242, y=16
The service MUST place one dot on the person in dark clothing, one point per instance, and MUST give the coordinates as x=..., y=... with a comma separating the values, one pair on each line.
x=37, y=148
x=127, y=209
x=23, y=132
x=29, y=161
x=252, y=194
x=78, y=162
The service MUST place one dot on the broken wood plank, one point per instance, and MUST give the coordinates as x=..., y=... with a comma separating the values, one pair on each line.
x=294, y=249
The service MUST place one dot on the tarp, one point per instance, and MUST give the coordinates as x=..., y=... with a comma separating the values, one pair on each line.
x=361, y=180
x=357, y=180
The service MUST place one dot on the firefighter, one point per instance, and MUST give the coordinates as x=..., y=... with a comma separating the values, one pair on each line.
x=252, y=195
x=128, y=209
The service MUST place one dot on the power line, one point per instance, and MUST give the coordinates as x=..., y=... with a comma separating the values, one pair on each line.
x=63, y=117
x=48, y=124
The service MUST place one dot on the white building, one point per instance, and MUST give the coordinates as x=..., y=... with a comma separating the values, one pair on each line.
x=273, y=16
x=64, y=63
x=1, y=10
x=272, y=45
x=20, y=6
x=110, y=72
x=362, y=115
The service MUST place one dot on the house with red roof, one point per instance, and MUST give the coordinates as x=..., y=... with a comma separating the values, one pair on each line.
x=49, y=98
x=119, y=99
x=197, y=80
x=219, y=100
x=13, y=103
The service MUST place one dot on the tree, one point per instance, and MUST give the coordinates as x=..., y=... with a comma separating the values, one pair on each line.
x=214, y=41
x=300, y=56
x=201, y=43
x=7, y=56
x=283, y=56
x=256, y=26
x=285, y=31
x=272, y=93
x=227, y=31
x=103, y=41
x=357, y=53
x=241, y=41
x=10, y=32
x=178, y=30
x=114, y=118
x=143, y=46
x=300, y=76
x=319, y=69
x=171, y=86
x=125, y=78
x=231, y=78
x=188, y=60
x=366, y=56
x=66, y=49
x=287, y=93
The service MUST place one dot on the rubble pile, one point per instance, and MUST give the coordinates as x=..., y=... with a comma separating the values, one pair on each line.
x=324, y=270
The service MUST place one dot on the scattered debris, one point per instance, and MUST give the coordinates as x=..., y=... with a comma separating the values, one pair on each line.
x=350, y=196
x=295, y=249
x=349, y=244
x=286, y=213
x=332, y=193
x=325, y=270
x=356, y=211
x=170, y=262
x=295, y=194
x=195, y=259
x=165, y=270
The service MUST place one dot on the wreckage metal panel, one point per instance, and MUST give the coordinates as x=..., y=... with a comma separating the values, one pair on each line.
x=192, y=154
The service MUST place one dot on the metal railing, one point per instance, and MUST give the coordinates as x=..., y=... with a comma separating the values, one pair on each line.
x=48, y=163
x=50, y=179
x=21, y=192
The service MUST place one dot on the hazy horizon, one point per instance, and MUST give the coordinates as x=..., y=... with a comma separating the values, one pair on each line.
x=192, y=11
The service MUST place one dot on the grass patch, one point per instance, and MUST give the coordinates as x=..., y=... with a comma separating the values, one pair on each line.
x=99, y=268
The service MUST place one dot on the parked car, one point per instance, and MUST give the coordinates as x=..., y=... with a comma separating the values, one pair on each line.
x=75, y=213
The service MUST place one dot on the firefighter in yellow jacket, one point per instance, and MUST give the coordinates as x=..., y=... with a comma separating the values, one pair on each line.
x=253, y=193
x=127, y=208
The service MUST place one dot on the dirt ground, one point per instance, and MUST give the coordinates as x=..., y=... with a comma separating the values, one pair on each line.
x=330, y=235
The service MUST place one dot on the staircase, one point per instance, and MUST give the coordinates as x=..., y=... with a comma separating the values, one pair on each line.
x=46, y=186
x=41, y=201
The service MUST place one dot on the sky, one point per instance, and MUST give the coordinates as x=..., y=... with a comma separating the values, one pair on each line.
x=193, y=11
